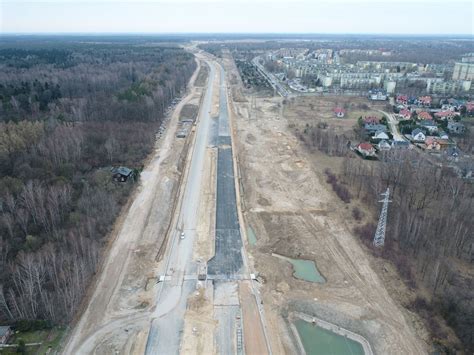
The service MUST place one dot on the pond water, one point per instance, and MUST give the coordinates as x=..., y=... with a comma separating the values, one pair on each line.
x=304, y=269
x=251, y=235
x=320, y=341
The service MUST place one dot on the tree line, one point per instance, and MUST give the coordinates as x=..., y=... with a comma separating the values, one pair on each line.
x=67, y=115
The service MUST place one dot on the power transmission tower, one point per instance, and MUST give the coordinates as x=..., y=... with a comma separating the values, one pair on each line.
x=379, y=238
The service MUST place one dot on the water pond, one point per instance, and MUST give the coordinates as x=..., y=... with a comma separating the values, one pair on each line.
x=320, y=341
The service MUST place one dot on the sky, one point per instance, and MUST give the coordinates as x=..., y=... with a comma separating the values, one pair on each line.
x=238, y=16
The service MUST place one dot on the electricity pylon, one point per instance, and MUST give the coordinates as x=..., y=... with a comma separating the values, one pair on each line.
x=379, y=238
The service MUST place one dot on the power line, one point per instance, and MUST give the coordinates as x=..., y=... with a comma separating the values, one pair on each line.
x=379, y=238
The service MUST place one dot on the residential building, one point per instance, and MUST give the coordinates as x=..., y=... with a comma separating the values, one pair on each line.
x=339, y=112
x=418, y=135
x=424, y=101
x=383, y=145
x=380, y=135
x=429, y=125
x=372, y=128
x=444, y=115
x=404, y=114
x=366, y=149
x=400, y=145
x=432, y=143
x=463, y=71
x=423, y=115
x=456, y=127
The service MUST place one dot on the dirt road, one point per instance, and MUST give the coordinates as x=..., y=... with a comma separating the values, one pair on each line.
x=120, y=300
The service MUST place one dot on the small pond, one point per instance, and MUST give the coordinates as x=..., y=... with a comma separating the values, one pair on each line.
x=304, y=269
x=320, y=341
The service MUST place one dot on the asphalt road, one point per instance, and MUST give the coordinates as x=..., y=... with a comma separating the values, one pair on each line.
x=168, y=318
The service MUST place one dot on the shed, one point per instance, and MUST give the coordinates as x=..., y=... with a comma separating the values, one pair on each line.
x=122, y=174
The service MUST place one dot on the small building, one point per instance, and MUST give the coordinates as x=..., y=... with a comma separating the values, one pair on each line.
x=122, y=174
x=452, y=153
x=424, y=101
x=383, y=145
x=377, y=95
x=402, y=99
x=443, y=135
x=432, y=143
x=418, y=135
x=366, y=149
x=372, y=128
x=423, y=115
x=339, y=112
x=400, y=145
x=371, y=120
x=456, y=127
x=5, y=333
x=429, y=125
x=445, y=115
x=380, y=135
x=404, y=114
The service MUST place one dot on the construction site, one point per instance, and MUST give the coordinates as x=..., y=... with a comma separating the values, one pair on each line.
x=235, y=244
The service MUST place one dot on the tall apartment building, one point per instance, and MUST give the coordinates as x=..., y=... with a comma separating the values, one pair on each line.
x=463, y=71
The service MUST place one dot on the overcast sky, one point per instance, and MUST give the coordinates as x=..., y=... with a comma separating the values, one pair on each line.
x=247, y=16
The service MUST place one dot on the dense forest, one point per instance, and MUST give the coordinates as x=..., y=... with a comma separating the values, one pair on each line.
x=69, y=111
x=429, y=232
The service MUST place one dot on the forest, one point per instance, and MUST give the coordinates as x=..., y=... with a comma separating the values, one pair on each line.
x=429, y=231
x=70, y=110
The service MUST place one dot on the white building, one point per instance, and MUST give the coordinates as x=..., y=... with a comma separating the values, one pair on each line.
x=463, y=71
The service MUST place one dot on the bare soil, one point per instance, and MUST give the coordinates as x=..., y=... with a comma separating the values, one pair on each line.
x=294, y=213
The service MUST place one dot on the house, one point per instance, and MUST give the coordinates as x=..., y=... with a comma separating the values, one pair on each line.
x=452, y=153
x=5, y=333
x=443, y=115
x=443, y=135
x=380, y=135
x=377, y=95
x=429, y=125
x=371, y=120
x=418, y=135
x=402, y=99
x=383, y=145
x=470, y=107
x=448, y=107
x=432, y=143
x=339, y=112
x=400, y=145
x=423, y=115
x=424, y=101
x=366, y=149
x=405, y=114
x=456, y=127
x=122, y=174
x=372, y=128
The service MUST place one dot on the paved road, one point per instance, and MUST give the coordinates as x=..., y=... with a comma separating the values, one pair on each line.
x=168, y=318
x=393, y=126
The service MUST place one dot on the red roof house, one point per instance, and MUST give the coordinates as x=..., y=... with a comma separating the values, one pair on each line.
x=339, y=112
x=423, y=115
x=405, y=114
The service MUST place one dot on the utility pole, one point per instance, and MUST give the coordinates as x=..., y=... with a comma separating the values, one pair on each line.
x=379, y=238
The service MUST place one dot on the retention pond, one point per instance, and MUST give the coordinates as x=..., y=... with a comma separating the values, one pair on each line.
x=319, y=341
x=304, y=269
